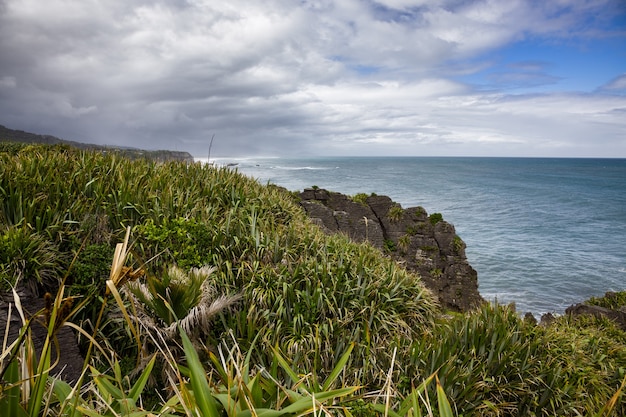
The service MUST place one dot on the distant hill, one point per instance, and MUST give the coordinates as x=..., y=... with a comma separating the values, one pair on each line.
x=19, y=136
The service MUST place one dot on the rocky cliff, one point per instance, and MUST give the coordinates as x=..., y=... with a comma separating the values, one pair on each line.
x=425, y=244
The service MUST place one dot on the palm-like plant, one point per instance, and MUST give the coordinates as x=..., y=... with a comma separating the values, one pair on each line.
x=178, y=297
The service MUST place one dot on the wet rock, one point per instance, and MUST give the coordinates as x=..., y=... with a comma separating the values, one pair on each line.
x=547, y=319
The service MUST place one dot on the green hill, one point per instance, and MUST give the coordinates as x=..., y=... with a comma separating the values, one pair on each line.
x=21, y=137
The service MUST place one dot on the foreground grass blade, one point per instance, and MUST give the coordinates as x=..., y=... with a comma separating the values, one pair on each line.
x=338, y=368
x=283, y=364
x=139, y=385
x=608, y=408
x=10, y=397
x=442, y=401
x=201, y=391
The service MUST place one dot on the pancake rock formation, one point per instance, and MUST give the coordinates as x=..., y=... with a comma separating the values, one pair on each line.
x=424, y=244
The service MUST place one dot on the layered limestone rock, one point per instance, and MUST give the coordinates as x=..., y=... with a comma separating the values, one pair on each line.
x=424, y=244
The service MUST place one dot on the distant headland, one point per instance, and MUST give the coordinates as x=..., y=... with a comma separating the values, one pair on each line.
x=11, y=135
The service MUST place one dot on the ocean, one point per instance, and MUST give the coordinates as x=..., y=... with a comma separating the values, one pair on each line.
x=543, y=233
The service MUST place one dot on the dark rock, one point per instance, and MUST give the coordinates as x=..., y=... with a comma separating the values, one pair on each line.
x=547, y=319
x=530, y=318
x=340, y=214
x=435, y=252
x=617, y=316
x=70, y=362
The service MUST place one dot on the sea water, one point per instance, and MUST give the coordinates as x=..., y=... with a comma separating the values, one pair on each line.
x=542, y=233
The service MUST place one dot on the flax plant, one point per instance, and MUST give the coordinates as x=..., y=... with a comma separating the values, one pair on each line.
x=492, y=363
x=305, y=300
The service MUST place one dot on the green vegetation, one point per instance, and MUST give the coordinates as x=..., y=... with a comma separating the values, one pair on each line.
x=458, y=243
x=360, y=198
x=404, y=242
x=395, y=213
x=436, y=272
x=492, y=360
x=415, y=229
x=419, y=211
x=612, y=300
x=389, y=246
x=435, y=218
x=226, y=301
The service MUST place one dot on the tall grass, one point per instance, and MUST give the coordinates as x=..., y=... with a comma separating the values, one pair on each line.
x=493, y=363
x=309, y=294
x=323, y=325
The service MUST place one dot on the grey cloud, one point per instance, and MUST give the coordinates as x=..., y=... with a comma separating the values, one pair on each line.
x=274, y=77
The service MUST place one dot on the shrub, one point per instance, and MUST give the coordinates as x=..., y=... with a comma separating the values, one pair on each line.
x=11, y=147
x=186, y=242
x=436, y=272
x=404, y=242
x=492, y=357
x=176, y=295
x=458, y=244
x=435, y=218
x=612, y=300
x=360, y=198
x=28, y=258
x=91, y=269
x=389, y=246
x=395, y=213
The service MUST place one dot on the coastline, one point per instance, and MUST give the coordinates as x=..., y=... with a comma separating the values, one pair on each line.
x=542, y=233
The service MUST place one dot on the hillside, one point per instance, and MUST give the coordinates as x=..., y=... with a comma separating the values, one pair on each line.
x=19, y=136
x=275, y=316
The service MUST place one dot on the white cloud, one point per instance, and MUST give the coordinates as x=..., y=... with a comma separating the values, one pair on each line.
x=616, y=84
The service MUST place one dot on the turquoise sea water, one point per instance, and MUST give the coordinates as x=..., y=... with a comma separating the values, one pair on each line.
x=543, y=233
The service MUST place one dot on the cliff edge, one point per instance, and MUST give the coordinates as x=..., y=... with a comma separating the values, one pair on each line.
x=425, y=244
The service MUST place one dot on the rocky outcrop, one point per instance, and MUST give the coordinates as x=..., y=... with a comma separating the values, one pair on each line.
x=616, y=314
x=425, y=244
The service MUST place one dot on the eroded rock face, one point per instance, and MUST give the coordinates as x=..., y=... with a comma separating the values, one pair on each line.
x=430, y=248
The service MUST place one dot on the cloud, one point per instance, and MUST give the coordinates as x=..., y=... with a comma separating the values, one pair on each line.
x=618, y=84
x=315, y=76
x=8, y=82
x=521, y=79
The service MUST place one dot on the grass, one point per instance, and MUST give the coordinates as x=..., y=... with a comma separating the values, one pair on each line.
x=311, y=324
x=612, y=300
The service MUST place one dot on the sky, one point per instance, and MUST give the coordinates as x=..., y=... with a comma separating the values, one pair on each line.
x=303, y=78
